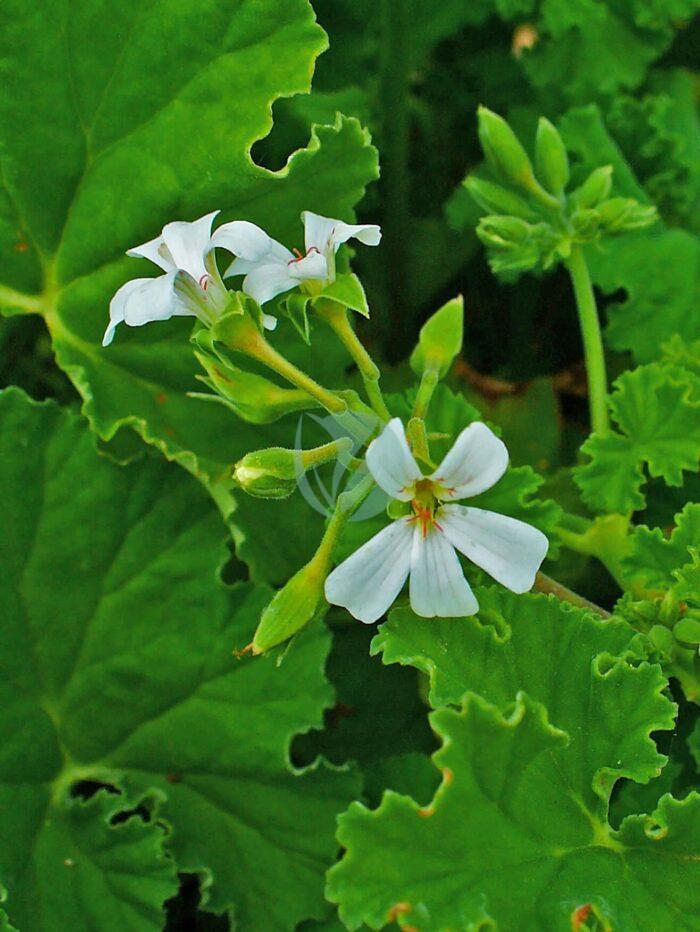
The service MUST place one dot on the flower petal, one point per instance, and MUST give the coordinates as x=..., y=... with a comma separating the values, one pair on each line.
x=269, y=322
x=156, y=251
x=312, y=265
x=189, y=244
x=476, y=461
x=368, y=582
x=507, y=549
x=391, y=462
x=438, y=586
x=249, y=242
x=324, y=233
x=265, y=282
x=142, y=300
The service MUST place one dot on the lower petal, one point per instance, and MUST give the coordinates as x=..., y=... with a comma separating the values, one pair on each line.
x=154, y=299
x=507, y=549
x=368, y=582
x=265, y=282
x=438, y=587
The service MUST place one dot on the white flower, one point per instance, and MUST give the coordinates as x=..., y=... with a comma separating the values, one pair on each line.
x=422, y=545
x=271, y=269
x=191, y=285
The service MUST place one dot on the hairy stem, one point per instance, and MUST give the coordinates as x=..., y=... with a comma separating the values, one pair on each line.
x=592, y=340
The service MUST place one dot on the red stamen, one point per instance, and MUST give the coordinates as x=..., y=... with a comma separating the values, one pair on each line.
x=204, y=281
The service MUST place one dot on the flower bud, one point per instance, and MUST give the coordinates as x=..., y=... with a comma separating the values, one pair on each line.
x=594, y=189
x=498, y=200
x=687, y=630
x=440, y=339
x=622, y=213
x=295, y=605
x=503, y=150
x=551, y=159
x=275, y=472
x=252, y=397
x=503, y=231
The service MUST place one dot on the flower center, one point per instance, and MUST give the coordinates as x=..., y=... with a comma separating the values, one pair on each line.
x=425, y=504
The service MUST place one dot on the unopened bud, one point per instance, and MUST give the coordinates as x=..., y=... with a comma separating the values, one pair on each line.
x=687, y=630
x=253, y=397
x=503, y=231
x=594, y=189
x=440, y=340
x=551, y=160
x=621, y=213
x=294, y=605
x=275, y=472
x=498, y=200
x=503, y=150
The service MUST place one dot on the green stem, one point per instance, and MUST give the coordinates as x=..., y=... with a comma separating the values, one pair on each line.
x=345, y=506
x=607, y=539
x=544, y=583
x=428, y=384
x=336, y=316
x=592, y=340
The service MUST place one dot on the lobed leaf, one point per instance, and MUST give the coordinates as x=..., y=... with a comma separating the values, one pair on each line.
x=117, y=669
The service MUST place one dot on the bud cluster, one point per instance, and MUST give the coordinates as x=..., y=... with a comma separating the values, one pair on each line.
x=532, y=222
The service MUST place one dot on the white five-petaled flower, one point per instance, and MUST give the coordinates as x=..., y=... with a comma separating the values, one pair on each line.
x=271, y=269
x=422, y=545
x=191, y=285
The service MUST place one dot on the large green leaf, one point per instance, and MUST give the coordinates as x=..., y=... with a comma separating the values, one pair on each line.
x=124, y=129
x=657, y=411
x=519, y=827
x=117, y=667
x=504, y=839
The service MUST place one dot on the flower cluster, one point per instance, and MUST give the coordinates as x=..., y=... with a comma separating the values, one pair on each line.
x=192, y=286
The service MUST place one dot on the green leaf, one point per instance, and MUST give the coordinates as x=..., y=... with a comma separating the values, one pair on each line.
x=587, y=49
x=85, y=870
x=659, y=426
x=118, y=664
x=663, y=291
x=153, y=121
x=519, y=827
x=653, y=558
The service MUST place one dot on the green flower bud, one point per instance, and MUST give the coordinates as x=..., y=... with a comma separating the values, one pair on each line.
x=275, y=472
x=594, y=189
x=503, y=231
x=503, y=150
x=622, y=213
x=294, y=605
x=498, y=200
x=440, y=340
x=586, y=224
x=253, y=397
x=687, y=630
x=661, y=638
x=551, y=159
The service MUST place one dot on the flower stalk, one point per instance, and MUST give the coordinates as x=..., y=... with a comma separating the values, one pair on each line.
x=592, y=340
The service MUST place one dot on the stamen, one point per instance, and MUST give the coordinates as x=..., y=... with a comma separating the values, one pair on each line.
x=204, y=281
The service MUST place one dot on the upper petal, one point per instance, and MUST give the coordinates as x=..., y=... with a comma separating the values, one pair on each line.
x=189, y=244
x=368, y=582
x=324, y=233
x=155, y=250
x=391, y=462
x=249, y=242
x=507, y=549
x=476, y=461
x=438, y=586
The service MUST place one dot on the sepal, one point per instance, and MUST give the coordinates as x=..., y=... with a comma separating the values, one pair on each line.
x=551, y=160
x=346, y=290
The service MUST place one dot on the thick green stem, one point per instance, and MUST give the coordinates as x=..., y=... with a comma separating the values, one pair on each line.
x=394, y=87
x=592, y=341
x=336, y=316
